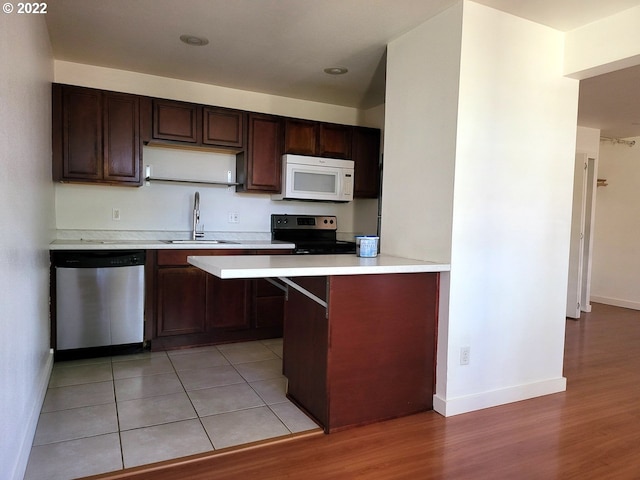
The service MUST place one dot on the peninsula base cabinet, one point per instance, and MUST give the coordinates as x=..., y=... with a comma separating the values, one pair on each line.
x=369, y=355
x=187, y=307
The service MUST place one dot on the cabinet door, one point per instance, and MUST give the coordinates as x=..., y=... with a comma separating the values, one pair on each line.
x=175, y=121
x=300, y=137
x=259, y=166
x=181, y=306
x=222, y=127
x=95, y=136
x=227, y=304
x=80, y=155
x=268, y=305
x=335, y=141
x=122, y=159
x=366, y=157
x=306, y=329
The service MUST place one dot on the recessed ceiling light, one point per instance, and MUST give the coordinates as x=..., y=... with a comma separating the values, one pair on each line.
x=194, y=41
x=335, y=70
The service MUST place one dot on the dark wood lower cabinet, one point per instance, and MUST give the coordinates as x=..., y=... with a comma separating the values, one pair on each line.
x=370, y=355
x=306, y=330
x=187, y=307
x=181, y=302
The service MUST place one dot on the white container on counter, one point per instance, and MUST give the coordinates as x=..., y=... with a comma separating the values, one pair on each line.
x=367, y=246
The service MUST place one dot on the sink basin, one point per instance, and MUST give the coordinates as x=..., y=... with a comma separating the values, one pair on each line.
x=195, y=242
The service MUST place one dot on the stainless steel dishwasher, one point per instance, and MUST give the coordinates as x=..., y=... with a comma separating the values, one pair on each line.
x=99, y=299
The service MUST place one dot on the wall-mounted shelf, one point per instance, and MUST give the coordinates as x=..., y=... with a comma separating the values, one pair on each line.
x=149, y=178
x=199, y=182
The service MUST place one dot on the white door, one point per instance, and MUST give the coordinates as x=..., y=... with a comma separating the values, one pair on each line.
x=576, y=252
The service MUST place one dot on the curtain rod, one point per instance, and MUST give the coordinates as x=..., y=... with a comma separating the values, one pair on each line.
x=629, y=143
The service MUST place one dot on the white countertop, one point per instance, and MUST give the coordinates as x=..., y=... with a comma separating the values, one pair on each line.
x=262, y=266
x=142, y=244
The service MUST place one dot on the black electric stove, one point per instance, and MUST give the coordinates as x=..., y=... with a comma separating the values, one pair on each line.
x=311, y=234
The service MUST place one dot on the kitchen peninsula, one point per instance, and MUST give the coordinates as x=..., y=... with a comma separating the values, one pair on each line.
x=359, y=334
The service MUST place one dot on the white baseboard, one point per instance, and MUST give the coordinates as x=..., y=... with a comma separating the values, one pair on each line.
x=470, y=403
x=616, y=302
x=30, y=430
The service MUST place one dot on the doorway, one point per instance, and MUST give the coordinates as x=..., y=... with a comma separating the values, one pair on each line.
x=582, y=223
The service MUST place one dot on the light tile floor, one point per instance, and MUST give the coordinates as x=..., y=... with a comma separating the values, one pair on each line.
x=105, y=414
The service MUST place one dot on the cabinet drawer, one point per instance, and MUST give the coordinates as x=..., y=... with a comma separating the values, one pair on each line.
x=179, y=257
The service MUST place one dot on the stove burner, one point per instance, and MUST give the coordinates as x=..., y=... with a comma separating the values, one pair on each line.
x=312, y=234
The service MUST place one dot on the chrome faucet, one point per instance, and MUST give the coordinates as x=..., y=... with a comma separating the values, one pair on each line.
x=195, y=234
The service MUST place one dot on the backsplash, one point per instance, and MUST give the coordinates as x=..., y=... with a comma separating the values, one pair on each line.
x=162, y=208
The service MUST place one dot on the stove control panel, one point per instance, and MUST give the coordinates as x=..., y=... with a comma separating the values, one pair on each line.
x=303, y=222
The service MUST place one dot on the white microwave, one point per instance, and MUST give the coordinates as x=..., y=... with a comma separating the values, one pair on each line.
x=316, y=178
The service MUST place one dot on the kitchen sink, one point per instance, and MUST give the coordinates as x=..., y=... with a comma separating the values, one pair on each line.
x=196, y=242
x=111, y=242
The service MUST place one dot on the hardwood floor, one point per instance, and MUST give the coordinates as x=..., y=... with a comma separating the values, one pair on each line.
x=590, y=431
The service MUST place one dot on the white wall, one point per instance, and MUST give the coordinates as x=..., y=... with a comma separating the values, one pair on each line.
x=423, y=69
x=27, y=220
x=616, y=258
x=588, y=141
x=162, y=87
x=161, y=207
x=513, y=156
x=603, y=46
x=167, y=207
x=512, y=211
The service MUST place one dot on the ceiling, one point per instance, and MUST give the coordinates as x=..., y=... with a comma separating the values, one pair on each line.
x=281, y=47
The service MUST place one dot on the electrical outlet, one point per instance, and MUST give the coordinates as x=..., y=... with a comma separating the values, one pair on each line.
x=115, y=214
x=465, y=355
x=233, y=217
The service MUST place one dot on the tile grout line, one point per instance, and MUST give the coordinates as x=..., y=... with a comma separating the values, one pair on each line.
x=115, y=399
x=213, y=448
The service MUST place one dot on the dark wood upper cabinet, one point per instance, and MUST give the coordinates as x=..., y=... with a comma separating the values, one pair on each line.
x=95, y=136
x=334, y=141
x=300, y=136
x=191, y=124
x=222, y=127
x=176, y=121
x=81, y=127
x=259, y=166
x=121, y=138
x=366, y=157
x=98, y=137
x=306, y=137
